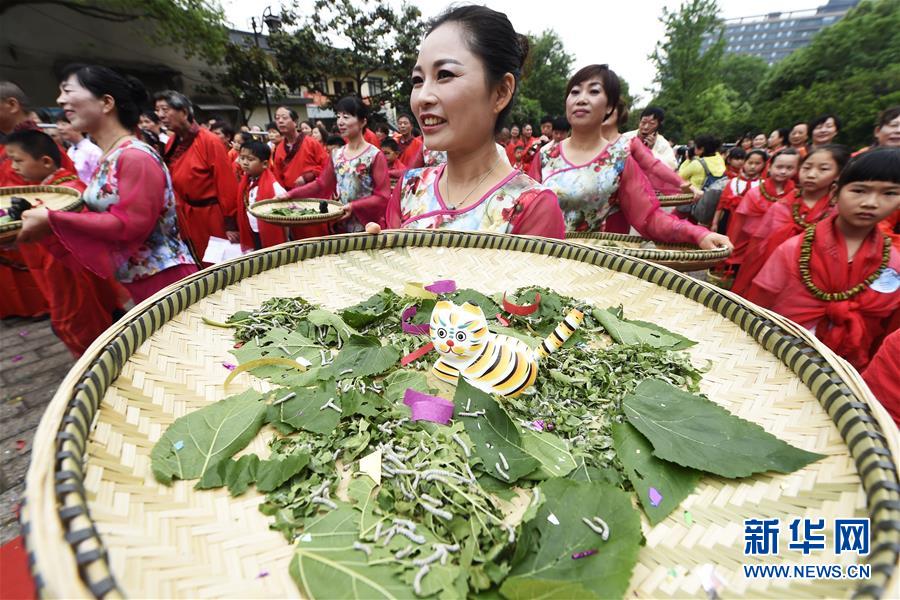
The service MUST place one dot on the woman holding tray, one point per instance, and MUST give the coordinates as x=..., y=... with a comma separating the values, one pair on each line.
x=464, y=84
x=356, y=173
x=595, y=177
x=130, y=229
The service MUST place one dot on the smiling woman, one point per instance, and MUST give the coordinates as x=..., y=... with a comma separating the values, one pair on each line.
x=464, y=84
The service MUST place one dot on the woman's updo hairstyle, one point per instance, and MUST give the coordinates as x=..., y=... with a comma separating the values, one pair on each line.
x=608, y=78
x=129, y=93
x=492, y=38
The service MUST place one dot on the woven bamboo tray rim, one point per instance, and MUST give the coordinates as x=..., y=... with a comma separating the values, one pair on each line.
x=336, y=210
x=10, y=229
x=681, y=257
x=68, y=554
x=669, y=200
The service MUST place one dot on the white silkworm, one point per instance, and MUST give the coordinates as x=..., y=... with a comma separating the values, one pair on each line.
x=405, y=523
x=432, y=499
x=377, y=530
x=503, y=461
x=337, y=453
x=598, y=526
x=472, y=479
x=417, y=582
x=413, y=537
x=362, y=547
x=468, y=404
x=345, y=371
x=330, y=404
x=421, y=562
x=477, y=413
x=318, y=491
x=500, y=470
x=438, y=512
x=324, y=501
x=512, y=534
x=462, y=445
x=285, y=398
x=404, y=553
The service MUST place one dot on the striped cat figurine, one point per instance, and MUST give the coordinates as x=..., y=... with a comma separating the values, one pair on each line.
x=493, y=363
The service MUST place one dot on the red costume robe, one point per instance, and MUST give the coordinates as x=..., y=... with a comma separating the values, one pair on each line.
x=777, y=227
x=853, y=327
x=269, y=235
x=745, y=221
x=81, y=303
x=21, y=295
x=205, y=187
x=891, y=228
x=409, y=149
x=371, y=137
x=881, y=375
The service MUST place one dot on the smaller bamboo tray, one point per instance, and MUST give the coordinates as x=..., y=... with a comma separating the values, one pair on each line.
x=262, y=210
x=54, y=197
x=681, y=257
x=675, y=200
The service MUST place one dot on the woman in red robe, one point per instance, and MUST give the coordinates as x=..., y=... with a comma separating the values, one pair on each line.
x=840, y=278
x=810, y=203
x=743, y=224
x=202, y=175
x=130, y=229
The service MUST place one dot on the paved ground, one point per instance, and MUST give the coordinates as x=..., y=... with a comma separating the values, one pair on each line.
x=32, y=364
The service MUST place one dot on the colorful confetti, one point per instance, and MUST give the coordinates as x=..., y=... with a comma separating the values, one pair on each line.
x=688, y=518
x=20, y=445
x=584, y=554
x=178, y=445
x=23, y=333
x=262, y=574
x=15, y=400
x=502, y=320
x=238, y=345
x=17, y=358
x=655, y=496
x=229, y=366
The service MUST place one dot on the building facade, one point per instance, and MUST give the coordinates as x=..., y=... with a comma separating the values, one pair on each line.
x=775, y=35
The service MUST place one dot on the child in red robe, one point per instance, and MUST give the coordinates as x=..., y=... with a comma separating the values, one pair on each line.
x=746, y=219
x=391, y=151
x=81, y=303
x=881, y=375
x=810, y=203
x=258, y=183
x=840, y=278
x=738, y=185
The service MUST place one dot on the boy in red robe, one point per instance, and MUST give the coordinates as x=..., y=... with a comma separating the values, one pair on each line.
x=81, y=304
x=840, y=278
x=202, y=176
x=258, y=183
x=391, y=151
x=745, y=221
x=810, y=203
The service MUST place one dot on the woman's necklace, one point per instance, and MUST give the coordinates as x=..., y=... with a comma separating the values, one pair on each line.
x=114, y=145
x=456, y=205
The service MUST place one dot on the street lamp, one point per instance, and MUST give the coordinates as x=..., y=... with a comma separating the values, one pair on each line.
x=273, y=22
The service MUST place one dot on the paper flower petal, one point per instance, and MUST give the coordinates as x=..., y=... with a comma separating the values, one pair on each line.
x=405, y=322
x=428, y=408
x=521, y=310
x=442, y=286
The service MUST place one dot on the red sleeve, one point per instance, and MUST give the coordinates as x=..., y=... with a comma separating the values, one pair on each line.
x=418, y=160
x=371, y=209
x=323, y=187
x=726, y=199
x=397, y=170
x=772, y=278
x=662, y=178
x=881, y=375
x=392, y=213
x=370, y=137
x=641, y=208
x=318, y=158
x=535, y=169
x=101, y=241
x=541, y=215
x=226, y=186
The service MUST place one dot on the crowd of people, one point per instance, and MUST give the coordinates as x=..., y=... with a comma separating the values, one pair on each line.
x=814, y=230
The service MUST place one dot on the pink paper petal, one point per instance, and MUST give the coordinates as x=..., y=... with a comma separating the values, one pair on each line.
x=229, y=366
x=655, y=496
x=443, y=286
x=428, y=408
x=17, y=358
x=23, y=333
x=409, y=328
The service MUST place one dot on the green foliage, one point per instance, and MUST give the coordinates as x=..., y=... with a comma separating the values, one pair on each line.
x=546, y=72
x=694, y=432
x=525, y=110
x=851, y=68
x=743, y=73
x=247, y=70
x=194, y=27
x=683, y=72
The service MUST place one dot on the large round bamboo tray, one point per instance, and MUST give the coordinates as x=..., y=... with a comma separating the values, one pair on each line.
x=98, y=524
x=681, y=257
x=54, y=197
x=263, y=211
x=674, y=200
